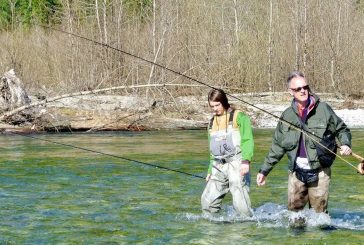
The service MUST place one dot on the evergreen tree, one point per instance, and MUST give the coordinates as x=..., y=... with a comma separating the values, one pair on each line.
x=23, y=12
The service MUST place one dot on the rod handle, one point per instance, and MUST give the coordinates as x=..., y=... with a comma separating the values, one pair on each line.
x=357, y=157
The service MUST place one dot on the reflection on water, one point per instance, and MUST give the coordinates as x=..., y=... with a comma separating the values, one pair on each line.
x=51, y=194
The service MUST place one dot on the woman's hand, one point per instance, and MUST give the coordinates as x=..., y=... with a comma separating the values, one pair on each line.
x=245, y=167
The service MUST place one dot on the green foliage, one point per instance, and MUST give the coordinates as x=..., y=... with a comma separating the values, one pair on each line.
x=14, y=13
x=24, y=12
x=359, y=5
x=5, y=13
x=140, y=8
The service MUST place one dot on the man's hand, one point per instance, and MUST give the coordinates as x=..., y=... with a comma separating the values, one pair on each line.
x=208, y=177
x=345, y=150
x=260, y=179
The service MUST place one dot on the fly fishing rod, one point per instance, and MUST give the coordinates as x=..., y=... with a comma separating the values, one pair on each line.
x=305, y=132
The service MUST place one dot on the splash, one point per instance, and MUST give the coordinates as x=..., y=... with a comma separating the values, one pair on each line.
x=272, y=215
x=227, y=215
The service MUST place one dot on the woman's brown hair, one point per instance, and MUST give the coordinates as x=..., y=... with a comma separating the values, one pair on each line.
x=218, y=95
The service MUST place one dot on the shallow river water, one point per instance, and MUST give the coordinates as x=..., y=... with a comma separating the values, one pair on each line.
x=144, y=188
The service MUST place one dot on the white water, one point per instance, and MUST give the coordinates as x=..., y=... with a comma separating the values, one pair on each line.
x=272, y=215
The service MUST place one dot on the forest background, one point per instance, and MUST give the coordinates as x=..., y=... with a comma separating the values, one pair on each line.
x=242, y=46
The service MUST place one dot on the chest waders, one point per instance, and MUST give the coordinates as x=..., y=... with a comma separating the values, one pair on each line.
x=222, y=146
x=225, y=177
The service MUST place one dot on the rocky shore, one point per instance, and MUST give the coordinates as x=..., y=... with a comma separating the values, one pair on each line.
x=91, y=113
x=100, y=110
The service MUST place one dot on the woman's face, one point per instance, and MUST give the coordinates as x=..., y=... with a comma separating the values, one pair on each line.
x=216, y=107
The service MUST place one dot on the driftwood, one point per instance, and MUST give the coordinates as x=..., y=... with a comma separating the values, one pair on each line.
x=13, y=95
x=49, y=100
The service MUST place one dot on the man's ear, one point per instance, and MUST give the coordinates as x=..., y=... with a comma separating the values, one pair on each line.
x=290, y=91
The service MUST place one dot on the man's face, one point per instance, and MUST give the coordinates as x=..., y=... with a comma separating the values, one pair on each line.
x=298, y=88
x=216, y=108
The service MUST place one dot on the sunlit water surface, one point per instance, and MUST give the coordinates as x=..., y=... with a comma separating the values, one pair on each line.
x=146, y=189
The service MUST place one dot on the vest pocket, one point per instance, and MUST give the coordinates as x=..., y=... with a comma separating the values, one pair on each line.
x=290, y=138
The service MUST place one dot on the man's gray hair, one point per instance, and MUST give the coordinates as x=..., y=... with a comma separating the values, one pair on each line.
x=295, y=74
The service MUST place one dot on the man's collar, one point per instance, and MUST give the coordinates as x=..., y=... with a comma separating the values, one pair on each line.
x=300, y=106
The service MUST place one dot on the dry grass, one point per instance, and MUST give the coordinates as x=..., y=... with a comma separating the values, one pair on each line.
x=222, y=43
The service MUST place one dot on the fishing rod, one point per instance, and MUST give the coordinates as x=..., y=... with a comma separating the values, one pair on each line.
x=311, y=135
x=110, y=155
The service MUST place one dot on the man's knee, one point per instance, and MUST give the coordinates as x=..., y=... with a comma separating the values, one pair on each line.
x=295, y=207
x=319, y=204
x=297, y=202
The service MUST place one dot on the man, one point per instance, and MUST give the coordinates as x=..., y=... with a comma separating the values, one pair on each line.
x=308, y=161
x=231, y=150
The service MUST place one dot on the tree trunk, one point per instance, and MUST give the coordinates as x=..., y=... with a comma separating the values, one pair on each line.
x=270, y=48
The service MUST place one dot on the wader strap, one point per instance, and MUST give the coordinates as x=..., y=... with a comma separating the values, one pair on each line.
x=211, y=122
x=231, y=118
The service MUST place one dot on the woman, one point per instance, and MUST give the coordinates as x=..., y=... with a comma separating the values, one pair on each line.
x=231, y=150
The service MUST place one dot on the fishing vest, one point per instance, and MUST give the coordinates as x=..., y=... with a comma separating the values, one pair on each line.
x=224, y=138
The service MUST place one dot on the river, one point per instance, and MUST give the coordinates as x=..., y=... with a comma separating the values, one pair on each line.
x=145, y=187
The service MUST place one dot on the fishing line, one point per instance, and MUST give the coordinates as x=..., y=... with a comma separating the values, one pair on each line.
x=311, y=135
x=110, y=155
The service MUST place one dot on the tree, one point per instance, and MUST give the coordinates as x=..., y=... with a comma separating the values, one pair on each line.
x=24, y=12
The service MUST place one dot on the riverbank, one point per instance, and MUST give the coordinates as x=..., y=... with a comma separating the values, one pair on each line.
x=94, y=112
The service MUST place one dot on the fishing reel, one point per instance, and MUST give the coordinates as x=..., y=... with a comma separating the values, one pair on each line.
x=361, y=168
